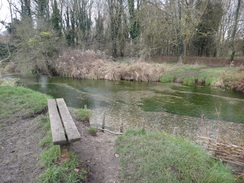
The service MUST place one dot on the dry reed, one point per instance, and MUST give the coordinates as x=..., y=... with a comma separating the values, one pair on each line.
x=96, y=65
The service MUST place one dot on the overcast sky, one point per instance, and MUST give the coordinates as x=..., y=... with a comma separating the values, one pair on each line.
x=4, y=13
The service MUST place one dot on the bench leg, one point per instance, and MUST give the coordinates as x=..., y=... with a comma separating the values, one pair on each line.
x=65, y=151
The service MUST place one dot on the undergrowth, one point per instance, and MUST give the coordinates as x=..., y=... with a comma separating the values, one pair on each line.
x=158, y=157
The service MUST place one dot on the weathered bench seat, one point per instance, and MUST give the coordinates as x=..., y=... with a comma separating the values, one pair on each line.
x=64, y=130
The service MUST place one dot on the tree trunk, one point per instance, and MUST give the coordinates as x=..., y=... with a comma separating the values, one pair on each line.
x=234, y=31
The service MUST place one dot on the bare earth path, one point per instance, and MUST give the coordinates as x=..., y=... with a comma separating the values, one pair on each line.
x=19, y=151
x=99, y=154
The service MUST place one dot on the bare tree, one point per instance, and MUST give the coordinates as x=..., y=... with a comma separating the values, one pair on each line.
x=233, y=36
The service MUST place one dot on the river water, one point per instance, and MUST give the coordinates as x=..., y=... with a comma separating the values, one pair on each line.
x=192, y=112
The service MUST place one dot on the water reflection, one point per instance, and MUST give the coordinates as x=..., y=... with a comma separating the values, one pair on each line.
x=43, y=81
x=164, y=107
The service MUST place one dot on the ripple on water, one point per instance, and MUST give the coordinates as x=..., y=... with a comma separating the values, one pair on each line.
x=171, y=108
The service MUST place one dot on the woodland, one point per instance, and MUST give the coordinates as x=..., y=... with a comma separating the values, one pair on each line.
x=40, y=30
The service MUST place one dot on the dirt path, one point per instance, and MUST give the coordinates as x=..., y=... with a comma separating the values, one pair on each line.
x=19, y=151
x=99, y=154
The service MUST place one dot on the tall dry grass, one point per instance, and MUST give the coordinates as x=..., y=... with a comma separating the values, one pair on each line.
x=96, y=65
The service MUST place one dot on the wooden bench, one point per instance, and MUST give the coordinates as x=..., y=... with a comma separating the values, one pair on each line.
x=64, y=130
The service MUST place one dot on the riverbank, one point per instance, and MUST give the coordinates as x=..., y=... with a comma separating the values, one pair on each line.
x=96, y=65
x=20, y=120
x=157, y=157
x=27, y=153
x=23, y=114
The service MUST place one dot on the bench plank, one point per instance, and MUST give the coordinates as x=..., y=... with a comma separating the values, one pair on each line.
x=58, y=133
x=70, y=128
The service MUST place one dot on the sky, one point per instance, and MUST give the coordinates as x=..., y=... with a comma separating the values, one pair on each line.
x=4, y=13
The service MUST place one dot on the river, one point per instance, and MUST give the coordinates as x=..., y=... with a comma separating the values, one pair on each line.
x=189, y=111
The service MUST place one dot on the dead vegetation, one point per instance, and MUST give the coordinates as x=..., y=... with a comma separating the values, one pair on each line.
x=227, y=152
x=96, y=65
x=239, y=85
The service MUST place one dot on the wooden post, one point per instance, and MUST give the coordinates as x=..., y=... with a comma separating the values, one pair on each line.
x=89, y=121
x=121, y=129
x=176, y=131
x=202, y=127
x=143, y=124
x=85, y=106
x=103, y=122
x=65, y=152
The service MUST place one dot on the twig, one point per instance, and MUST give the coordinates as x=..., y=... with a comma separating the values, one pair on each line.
x=115, y=133
x=236, y=163
x=121, y=129
x=103, y=122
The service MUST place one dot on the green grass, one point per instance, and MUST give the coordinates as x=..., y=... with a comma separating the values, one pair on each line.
x=189, y=80
x=19, y=102
x=157, y=157
x=46, y=140
x=187, y=75
x=82, y=114
x=68, y=172
x=92, y=131
x=167, y=78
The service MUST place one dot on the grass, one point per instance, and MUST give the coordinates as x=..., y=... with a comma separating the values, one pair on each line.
x=82, y=114
x=191, y=75
x=92, y=131
x=19, y=102
x=158, y=157
x=68, y=172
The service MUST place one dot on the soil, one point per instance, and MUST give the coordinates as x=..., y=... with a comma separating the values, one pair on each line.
x=98, y=153
x=19, y=152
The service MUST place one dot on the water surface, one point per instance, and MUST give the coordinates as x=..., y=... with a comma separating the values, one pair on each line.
x=188, y=111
